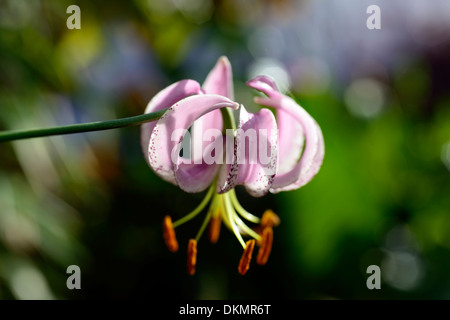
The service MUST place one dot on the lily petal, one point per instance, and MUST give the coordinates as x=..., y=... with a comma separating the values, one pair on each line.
x=311, y=160
x=164, y=99
x=291, y=136
x=168, y=134
x=220, y=79
x=255, y=154
x=290, y=142
x=195, y=178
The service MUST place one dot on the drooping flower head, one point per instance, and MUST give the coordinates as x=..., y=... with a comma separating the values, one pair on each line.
x=198, y=145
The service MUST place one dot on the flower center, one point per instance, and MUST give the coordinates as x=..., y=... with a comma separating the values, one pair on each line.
x=227, y=209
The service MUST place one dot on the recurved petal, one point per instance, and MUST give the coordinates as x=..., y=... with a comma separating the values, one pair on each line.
x=195, y=177
x=290, y=141
x=291, y=137
x=255, y=154
x=220, y=79
x=168, y=135
x=265, y=84
x=311, y=159
x=210, y=124
x=162, y=100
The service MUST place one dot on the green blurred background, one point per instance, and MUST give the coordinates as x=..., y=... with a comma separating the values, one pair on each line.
x=381, y=97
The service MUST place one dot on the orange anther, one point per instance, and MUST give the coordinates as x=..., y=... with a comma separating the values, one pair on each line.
x=169, y=234
x=191, y=256
x=269, y=219
x=244, y=264
x=214, y=228
x=266, y=246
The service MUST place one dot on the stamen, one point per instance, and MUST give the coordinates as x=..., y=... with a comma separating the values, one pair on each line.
x=214, y=227
x=270, y=219
x=203, y=226
x=244, y=264
x=244, y=213
x=228, y=212
x=266, y=246
x=169, y=234
x=197, y=210
x=246, y=229
x=191, y=256
x=223, y=210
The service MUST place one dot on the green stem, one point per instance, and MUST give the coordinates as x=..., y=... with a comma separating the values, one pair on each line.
x=81, y=127
x=228, y=119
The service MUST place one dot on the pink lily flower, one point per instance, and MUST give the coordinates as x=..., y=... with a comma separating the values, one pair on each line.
x=263, y=153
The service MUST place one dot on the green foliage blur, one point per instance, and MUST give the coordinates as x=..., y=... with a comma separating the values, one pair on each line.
x=381, y=98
